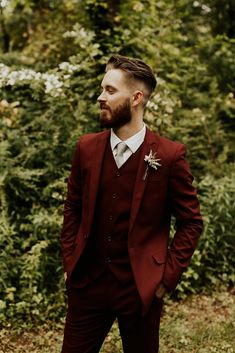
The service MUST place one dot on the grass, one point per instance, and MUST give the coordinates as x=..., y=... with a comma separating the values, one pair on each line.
x=198, y=324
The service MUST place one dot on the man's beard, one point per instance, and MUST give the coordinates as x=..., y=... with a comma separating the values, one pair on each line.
x=119, y=116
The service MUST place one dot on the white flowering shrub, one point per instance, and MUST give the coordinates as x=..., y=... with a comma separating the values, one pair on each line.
x=52, y=83
x=42, y=116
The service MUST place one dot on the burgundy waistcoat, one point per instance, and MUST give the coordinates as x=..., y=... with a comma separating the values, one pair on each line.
x=107, y=245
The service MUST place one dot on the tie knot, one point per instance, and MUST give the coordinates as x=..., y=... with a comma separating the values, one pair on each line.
x=121, y=148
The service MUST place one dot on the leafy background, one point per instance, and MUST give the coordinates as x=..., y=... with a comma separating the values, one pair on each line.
x=52, y=60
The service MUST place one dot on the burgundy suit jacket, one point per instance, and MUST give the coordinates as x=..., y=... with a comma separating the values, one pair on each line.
x=164, y=192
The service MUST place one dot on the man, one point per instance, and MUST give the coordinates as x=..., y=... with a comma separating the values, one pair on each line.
x=125, y=184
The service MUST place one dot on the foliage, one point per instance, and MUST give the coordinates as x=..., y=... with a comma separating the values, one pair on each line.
x=52, y=61
x=202, y=324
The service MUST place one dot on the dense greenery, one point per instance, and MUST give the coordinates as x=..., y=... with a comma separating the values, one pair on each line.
x=52, y=60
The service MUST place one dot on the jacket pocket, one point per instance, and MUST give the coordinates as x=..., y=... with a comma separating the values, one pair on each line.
x=159, y=257
x=156, y=178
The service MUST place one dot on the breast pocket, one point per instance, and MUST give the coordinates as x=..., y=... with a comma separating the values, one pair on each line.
x=159, y=257
x=155, y=179
x=157, y=176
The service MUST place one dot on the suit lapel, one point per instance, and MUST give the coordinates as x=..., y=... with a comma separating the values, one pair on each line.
x=96, y=164
x=151, y=142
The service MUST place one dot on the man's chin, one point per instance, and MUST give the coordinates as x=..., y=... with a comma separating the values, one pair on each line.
x=105, y=119
x=106, y=123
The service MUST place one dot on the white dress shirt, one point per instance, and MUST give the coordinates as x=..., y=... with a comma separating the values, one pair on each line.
x=133, y=142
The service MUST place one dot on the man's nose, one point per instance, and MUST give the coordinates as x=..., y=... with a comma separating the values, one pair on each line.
x=101, y=97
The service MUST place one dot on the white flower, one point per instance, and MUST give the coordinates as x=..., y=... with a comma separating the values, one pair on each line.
x=4, y=70
x=4, y=3
x=53, y=82
x=152, y=162
x=66, y=66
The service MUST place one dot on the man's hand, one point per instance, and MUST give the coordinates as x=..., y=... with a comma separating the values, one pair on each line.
x=161, y=291
x=65, y=276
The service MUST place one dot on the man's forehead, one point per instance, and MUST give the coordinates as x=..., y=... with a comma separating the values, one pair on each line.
x=114, y=77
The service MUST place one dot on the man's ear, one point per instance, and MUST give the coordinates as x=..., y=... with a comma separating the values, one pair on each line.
x=137, y=98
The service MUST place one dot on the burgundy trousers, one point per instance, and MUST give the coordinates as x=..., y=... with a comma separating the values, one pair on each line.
x=93, y=309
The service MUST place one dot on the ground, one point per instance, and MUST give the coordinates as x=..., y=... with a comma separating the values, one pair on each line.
x=198, y=324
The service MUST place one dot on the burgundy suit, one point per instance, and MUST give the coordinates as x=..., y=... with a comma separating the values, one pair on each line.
x=164, y=192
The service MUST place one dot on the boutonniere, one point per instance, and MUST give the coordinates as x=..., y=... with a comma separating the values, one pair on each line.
x=152, y=162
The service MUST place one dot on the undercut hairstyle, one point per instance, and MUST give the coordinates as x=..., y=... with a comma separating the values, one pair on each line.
x=135, y=69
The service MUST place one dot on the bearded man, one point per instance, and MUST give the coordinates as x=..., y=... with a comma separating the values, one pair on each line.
x=126, y=183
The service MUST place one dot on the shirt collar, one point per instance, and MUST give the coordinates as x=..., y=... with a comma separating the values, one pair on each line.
x=132, y=142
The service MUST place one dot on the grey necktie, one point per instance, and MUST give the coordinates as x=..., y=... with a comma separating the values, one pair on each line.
x=121, y=148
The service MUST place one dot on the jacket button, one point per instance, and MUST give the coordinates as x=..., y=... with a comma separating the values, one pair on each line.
x=110, y=217
x=108, y=259
x=118, y=174
x=114, y=195
x=109, y=238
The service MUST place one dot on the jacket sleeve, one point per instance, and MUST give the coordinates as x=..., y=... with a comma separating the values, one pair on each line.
x=185, y=207
x=72, y=209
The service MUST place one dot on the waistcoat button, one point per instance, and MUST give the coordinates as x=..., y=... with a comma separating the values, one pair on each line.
x=108, y=259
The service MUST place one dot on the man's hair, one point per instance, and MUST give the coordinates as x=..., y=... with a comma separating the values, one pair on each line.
x=135, y=69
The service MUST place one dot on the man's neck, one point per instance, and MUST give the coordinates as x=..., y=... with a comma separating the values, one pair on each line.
x=127, y=130
x=131, y=128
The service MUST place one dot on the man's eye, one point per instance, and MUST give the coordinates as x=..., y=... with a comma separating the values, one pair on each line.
x=110, y=90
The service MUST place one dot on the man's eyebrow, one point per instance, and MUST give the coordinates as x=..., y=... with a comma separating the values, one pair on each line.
x=108, y=86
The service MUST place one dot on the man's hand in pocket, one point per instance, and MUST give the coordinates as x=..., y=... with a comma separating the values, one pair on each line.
x=65, y=276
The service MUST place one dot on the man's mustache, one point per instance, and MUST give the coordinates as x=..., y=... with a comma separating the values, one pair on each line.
x=104, y=106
